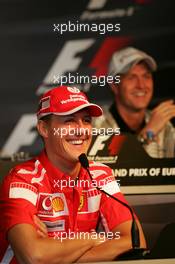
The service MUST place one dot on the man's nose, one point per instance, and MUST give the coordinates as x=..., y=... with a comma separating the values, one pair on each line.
x=81, y=128
x=141, y=83
x=80, y=123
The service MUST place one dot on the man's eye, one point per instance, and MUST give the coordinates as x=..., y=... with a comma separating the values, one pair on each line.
x=87, y=119
x=131, y=77
x=69, y=120
x=148, y=76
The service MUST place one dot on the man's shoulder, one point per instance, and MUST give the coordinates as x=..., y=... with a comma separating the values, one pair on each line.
x=26, y=166
x=98, y=169
x=22, y=177
x=25, y=171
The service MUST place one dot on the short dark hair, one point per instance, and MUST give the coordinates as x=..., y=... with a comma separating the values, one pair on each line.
x=46, y=118
x=146, y=65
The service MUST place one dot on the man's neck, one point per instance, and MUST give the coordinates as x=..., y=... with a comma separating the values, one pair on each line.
x=133, y=119
x=70, y=168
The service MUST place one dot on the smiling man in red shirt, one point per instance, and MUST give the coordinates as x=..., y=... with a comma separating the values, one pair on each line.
x=35, y=188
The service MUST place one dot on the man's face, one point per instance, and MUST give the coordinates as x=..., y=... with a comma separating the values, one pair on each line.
x=136, y=88
x=69, y=136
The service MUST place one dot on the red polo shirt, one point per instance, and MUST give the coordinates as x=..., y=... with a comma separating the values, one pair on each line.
x=37, y=187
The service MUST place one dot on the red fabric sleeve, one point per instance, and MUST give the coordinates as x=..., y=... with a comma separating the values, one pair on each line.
x=113, y=213
x=15, y=210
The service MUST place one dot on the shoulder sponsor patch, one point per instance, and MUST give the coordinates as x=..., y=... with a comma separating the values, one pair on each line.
x=32, y=172
x=40, y=178
x=38, y=171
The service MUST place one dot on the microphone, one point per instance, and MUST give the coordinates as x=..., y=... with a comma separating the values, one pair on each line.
x=136, y=252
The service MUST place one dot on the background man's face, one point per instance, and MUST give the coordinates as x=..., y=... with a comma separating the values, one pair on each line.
x=136, y=88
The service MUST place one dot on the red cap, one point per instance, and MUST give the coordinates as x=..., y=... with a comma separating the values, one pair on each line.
x=65, y=100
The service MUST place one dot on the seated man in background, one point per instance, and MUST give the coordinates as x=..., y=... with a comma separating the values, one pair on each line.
x=55, y=188
x=133, y=94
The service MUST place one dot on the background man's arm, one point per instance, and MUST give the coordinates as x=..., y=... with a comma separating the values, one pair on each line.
x=160, y=116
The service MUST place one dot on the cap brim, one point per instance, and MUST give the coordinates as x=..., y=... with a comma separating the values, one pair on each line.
x=94, y=110
x=148, y=60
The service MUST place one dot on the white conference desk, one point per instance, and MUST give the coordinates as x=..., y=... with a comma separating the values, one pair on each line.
x=140, y=261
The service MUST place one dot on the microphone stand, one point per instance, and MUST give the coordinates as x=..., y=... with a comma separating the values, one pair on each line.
x=136, y=252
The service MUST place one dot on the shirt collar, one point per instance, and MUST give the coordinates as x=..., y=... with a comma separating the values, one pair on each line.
x=53, y=171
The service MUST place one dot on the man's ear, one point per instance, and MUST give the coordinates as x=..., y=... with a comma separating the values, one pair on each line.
x=114, y=88
x=42, y=128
